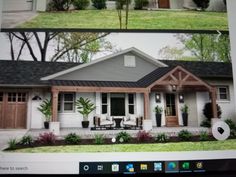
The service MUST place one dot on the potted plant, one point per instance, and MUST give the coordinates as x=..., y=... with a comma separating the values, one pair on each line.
x=158, y=111
x=46, y=109
x=85, y=107
x=184, y=111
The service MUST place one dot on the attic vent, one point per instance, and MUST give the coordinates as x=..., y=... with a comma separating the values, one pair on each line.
x=129, y=61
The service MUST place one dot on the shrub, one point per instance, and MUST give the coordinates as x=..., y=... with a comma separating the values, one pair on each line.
x=99, y=4
x=59, y=5
x=185, y=135
x=139, y=4
x=12, y=144
x=232, y=127
x=203, y=136
x=206, y=123
x=81, y=4
x=46, y=138
x=26, y=140
x=120, y=3
x=207, y=111
x=99, y=139
x=161, y=137
x=123, y=137
x=72, y=138
x=203, y=4
x=143, y=136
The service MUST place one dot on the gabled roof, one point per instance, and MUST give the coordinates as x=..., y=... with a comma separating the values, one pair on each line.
x=28, y=73
x=132, y=49
x=204, y=69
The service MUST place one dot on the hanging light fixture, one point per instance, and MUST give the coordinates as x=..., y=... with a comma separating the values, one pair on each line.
x=174, y=88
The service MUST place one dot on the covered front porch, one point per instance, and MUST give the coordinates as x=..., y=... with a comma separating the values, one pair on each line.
x=166, y=89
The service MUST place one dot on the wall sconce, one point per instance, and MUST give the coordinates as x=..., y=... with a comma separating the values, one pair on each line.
x=174, y=88
x=158, y=97
x=181, y=98
x=36, y=97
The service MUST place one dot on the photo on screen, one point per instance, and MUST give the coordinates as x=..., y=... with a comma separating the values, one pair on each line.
x=83, y=92
x=112, y=14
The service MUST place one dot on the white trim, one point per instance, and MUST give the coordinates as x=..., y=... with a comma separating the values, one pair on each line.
x=132, y=49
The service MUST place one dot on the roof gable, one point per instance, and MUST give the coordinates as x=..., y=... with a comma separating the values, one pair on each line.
x=137, y=52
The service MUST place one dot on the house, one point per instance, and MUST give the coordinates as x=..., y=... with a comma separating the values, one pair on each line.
x=129, y=82
x=41, y=5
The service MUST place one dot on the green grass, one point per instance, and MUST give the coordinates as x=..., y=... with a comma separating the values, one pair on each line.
x=138, y=19
x=158, y=147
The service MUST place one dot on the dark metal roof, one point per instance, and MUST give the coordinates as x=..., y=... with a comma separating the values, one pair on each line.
x=29, y=73
x=204, y=69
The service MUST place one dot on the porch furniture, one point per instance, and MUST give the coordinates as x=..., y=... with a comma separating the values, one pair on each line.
x=133, y=121
x=103, y=122
x=118, y=121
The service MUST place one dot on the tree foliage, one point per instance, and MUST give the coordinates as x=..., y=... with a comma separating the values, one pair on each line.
x=203, y=47
x=60, y=5
x=69, y=47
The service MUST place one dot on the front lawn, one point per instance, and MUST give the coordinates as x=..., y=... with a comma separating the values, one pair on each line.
x=157, y=147
x=138, y=19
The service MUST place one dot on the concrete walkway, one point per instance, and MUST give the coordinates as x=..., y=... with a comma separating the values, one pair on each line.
x=6, y=135
x=13, y=19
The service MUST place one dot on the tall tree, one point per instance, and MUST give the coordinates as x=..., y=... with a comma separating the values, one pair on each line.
x=203, y=47
x=66, y=45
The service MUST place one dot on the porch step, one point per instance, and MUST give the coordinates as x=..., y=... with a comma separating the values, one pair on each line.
x=172, y=122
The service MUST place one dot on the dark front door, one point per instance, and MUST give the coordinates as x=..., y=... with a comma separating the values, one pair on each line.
x=117, y=106
x=170, y=110
x=164, y=4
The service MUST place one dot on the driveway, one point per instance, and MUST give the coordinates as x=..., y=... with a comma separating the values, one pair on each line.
x=5, y=135
x=13, y=19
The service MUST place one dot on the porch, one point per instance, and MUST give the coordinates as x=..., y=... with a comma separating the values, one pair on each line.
x=88, y=134
x=172, y=83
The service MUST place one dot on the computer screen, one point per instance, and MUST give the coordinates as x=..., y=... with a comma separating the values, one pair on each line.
x=117, y=87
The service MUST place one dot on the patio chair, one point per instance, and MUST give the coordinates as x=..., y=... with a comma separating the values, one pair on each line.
x=133, y=121
x=103, y=121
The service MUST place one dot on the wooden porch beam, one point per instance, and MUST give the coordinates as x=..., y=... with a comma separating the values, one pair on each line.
x=146, y=105
x=55, y=105
x=213, y=101
x=99, y=89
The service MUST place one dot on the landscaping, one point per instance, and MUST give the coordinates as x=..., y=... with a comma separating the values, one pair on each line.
x=123, y=142
x=138, y=19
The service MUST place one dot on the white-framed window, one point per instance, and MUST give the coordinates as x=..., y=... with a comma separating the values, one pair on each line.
x=104, y=103
x=131, y=103
x=66, y=102
x=129, y=61
x=223, y=93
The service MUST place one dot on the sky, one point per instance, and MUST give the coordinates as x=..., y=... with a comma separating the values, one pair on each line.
x=149, y=43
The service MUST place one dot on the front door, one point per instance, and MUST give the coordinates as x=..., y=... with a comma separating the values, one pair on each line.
x=117, y=104
x=164, y=4
x=170, y=110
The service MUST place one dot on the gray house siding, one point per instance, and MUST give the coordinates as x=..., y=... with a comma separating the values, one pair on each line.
x=112, y=70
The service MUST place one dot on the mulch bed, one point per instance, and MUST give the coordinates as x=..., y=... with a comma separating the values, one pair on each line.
x=108, y=141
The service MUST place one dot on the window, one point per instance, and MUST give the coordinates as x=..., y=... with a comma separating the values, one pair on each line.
x=11, y=97
x=131, y=103
x=223, y=93
x=129, y=61
x=1, y=97
x=66, y=102
x=104, y=103
x=21, y=97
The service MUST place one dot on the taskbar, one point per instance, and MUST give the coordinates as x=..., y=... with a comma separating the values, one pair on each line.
x=159, y=167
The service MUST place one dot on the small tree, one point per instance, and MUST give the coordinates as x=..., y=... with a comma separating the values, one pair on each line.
x=85, y=107
x=119, y=6
x=46, y=109
x=203, y=4
x=207, y=111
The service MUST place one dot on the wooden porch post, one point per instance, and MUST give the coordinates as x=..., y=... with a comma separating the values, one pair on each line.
x=146, y=105
x=54, y=105
x=213, y=101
